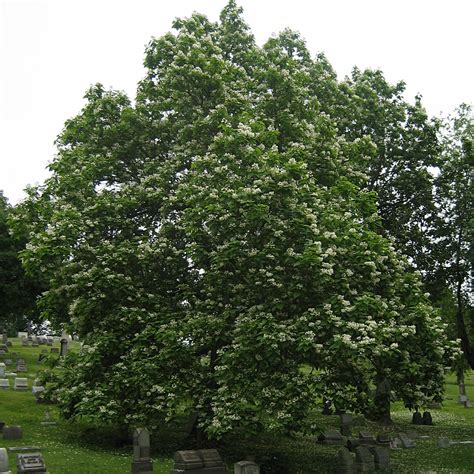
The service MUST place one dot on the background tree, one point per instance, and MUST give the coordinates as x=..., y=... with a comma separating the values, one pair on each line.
x=455, y=232
x=17, y=292
x=407, y=148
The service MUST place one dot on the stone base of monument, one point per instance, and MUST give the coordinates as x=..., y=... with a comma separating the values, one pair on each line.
x=143, y=467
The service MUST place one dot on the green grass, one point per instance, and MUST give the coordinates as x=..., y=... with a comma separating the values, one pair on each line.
x=65, y=450
x=62, y=451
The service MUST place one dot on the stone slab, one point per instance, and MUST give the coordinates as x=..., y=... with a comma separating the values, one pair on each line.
x=12, y=432
x=246, y=467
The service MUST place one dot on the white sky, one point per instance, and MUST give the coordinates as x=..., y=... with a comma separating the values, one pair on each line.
x=51, y=51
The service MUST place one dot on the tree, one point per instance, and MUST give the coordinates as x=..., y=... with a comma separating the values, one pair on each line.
x=400, y=171
x=455, y=234
x=212, y=240
x=17, y=292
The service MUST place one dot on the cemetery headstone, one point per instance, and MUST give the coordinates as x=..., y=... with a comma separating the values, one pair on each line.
x=462, y=392
x=12, y=432
x=4, y=461
x=246, y=467
x=405, y=441
x=21, y=367
x=427, y=418
x=63, y=352
x=344, y=462
x=417, y=418
x=25, y=343
x=353, y=443
x=332, y=437
x=141, y=452
x=383, y=440
x=2, y=369
x=204, y=461
x=20, y=384
x=4, y=347
x=4, y=384
x=8, y=362
x=21, y=335
x=36, y=390
x=444, y=442
x=346, y=424
x=467, y=404
x=381, y=458
x=48, y=421
x=5, y=338
x=366, y=439
x=30, y=463
x=186, y=460
x=327, y=407
x=364, y=460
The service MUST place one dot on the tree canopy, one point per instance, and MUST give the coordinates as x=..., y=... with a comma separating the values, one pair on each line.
x=18, y=292
x=218, y=244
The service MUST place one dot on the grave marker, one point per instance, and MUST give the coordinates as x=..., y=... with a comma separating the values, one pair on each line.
x=20, y=384
x=366, y=439
x=4, y=461
x=346, y=424
x=443, y=443
x=141, y=452
x=12, y=432
x=4, y=384
x=345, y=462
x=417, y=418
x=246, y=467
x=63, y=352
x=332, y=437
x=364, y=460
x=30, y=463
x=204, y=461
x=427, y=419
x=405, y=441
x=383, y=440
x=381, y=458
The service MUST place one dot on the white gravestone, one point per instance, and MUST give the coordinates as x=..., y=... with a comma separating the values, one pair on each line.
x=4, y=462
x=20, y=384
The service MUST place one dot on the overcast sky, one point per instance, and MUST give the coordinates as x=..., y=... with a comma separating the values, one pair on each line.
x=51, y=51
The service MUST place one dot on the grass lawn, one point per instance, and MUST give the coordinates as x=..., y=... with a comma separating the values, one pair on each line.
x=63, y=450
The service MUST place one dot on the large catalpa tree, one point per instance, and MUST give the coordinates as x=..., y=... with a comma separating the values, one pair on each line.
x=211, y=243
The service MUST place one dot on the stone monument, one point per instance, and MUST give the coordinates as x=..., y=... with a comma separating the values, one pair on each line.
x=141, y=451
